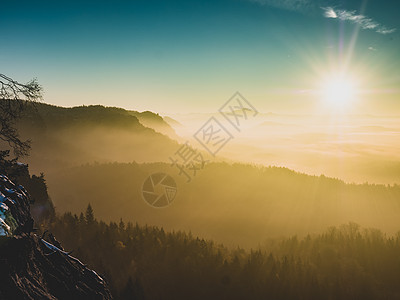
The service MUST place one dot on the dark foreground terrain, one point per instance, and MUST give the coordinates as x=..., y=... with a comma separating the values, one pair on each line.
x=33, y=266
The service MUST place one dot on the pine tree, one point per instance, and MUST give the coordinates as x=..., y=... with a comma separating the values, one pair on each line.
x=89, y=215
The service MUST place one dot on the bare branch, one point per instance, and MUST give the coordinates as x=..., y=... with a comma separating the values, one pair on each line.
x=14, y=98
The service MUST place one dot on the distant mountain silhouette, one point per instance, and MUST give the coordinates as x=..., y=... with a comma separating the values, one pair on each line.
x=231, y=203
x=156, y=122
x=172, y=122
x=63, y=137
x=104, y=154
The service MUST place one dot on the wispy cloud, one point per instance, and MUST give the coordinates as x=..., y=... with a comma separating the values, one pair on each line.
x=306, y=6
x=295, y=5
x=363, y=21
x=329, y=12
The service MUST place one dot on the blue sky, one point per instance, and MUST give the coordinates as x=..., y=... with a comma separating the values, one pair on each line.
x=180, y=56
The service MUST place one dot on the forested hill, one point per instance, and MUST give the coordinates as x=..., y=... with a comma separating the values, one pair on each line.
x=231, y=203
x=61, y=117
x=63, y=137
x=146, y=262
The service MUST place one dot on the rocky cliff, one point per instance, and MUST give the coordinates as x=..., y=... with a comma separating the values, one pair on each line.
x=37, y=267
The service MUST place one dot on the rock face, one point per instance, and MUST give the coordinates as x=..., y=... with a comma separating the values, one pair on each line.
x=15, y=217
x=32, y=267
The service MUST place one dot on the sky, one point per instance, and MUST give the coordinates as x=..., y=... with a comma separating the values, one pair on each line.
x=191, y=55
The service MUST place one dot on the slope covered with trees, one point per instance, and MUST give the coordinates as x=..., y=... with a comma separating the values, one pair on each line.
x=231, y=203
x=146, y=262
x=63, y=137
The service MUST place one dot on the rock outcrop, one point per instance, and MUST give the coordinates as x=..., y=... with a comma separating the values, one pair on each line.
x=32, y=267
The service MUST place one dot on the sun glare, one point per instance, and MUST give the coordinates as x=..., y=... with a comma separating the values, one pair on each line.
x=338, y=90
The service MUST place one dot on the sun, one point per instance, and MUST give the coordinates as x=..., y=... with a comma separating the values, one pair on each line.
x=338, y=90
